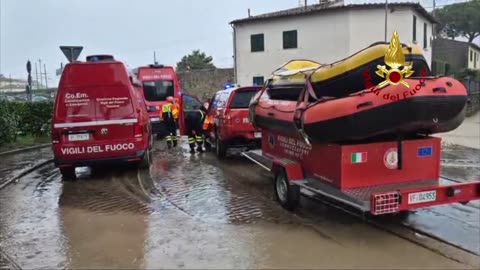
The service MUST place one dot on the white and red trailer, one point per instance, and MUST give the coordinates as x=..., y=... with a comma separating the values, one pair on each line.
x=379, y=177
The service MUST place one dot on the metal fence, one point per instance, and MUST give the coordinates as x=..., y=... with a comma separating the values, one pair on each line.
x=473, y=88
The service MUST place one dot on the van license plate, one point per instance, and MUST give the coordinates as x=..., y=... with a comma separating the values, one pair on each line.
x=422, y=197
x=155, y=119
x=258, y=134
x=78, y=137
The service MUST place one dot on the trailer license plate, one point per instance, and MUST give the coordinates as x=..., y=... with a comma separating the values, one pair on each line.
x=422, y=197
x=258, y=134
x=78, y=137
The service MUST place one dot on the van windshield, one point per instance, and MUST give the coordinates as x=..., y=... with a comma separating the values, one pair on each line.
x=242, y=99
x=158, y=90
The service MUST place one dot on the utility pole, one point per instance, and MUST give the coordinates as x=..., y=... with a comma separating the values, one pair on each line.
x=154, y=58
x=36, y=77
x=46, y=80
x=11, y=84
x=434, y=35
x=28, y=88
x=40, y=71
x=386, y=18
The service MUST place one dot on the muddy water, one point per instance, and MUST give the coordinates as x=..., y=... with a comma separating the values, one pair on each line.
x=193, y=212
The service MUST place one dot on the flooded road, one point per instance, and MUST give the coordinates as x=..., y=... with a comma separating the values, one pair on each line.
x=12, y=165
x=199, y=212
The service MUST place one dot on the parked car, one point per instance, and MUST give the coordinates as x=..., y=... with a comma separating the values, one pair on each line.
x=99, y=117
x=158, y=82
x=231, y=127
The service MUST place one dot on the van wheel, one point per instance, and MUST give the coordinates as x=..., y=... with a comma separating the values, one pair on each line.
x=68, y=173
x=220, y=147
x=146, y=161
x=287, y=195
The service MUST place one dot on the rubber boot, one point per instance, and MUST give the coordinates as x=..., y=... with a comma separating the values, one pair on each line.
x=199, y=148
x=192, y=148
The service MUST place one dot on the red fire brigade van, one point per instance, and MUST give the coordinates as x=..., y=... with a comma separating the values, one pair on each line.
x=159, y=82
x=99, y=116
x=231, y=127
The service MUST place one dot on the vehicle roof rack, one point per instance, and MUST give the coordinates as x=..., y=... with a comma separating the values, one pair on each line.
x=156, y=66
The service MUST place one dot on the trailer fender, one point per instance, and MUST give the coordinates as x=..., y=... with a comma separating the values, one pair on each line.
x=293, y=170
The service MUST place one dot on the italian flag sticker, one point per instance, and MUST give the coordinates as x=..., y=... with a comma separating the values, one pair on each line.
x=359, y=157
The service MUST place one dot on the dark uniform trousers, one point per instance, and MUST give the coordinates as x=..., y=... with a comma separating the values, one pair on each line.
x=194, y=125
x=170, y=125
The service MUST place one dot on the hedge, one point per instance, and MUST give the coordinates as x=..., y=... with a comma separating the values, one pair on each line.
x=18, y=117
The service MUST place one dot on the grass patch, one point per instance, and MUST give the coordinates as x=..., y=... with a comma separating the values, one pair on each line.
x=24, y=142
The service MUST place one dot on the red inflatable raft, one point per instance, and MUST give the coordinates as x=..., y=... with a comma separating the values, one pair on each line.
x=437, y=106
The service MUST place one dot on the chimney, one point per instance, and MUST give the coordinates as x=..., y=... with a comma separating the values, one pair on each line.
x=249, y=13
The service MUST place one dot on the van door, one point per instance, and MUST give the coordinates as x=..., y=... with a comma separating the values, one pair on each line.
x=115, y=113
x=188, y=103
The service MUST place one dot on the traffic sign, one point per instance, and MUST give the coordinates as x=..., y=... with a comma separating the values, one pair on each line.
x=71, y=52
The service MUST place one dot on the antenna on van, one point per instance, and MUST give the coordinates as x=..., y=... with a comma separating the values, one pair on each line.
x=155, y=58
x=71, y=52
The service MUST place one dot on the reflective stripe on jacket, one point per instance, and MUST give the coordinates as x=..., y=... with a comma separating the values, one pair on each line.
x=166, y=111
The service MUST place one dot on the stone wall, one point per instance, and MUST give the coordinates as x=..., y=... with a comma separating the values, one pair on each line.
x=205, y=82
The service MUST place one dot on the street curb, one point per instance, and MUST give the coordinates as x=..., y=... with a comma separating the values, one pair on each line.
x=25, y=149
x=25, y=172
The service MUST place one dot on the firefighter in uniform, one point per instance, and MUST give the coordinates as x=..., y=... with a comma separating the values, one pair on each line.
x=176, y=112
x=207, y=126
x=168, y=112
x=194, y=124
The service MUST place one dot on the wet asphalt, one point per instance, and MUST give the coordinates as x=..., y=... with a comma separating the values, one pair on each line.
x=195, y=211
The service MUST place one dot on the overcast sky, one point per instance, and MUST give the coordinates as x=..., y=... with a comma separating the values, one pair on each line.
x=129, y=29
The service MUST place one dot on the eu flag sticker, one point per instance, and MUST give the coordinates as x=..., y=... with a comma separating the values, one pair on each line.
x=425, y=151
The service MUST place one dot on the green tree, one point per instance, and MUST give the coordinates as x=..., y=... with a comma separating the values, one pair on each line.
x=195, y=60
x=460, y=19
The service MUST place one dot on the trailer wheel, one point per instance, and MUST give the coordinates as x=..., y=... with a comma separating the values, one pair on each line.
x=68, y=173
x=287, y=195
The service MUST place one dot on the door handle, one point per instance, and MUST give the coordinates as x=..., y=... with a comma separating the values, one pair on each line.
x=439, y=89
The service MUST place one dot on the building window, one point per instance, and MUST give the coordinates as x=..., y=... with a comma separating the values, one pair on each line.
x=257, y=42
x=414, y=28
x=425, y=36
x=475, y=60
x=258, y=80
x=290, y=39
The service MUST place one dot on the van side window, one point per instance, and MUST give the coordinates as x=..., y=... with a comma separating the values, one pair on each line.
x=214, y=103
x=158, y=90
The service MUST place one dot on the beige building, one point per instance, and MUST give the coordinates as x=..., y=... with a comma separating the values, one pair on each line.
x=473, y=56
x=324, y=33
x=457, y=54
